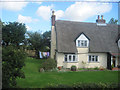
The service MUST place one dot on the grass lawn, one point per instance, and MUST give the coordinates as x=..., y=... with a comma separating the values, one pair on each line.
x=36, y=79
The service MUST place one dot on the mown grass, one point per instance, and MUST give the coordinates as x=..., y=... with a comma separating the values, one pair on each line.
x=36, y=79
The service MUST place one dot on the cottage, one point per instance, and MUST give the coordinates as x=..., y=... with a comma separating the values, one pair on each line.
x=84, y=44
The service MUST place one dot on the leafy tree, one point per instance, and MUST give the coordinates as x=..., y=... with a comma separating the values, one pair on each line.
x=46, y=38
x=40, y=42
x=113, y=21
x=13, y=33
x=12, y=63
x=35, y=39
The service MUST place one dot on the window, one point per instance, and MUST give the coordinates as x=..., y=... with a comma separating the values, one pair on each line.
x=73, y=57
x=65, y=57
x=82, y=43
x=92, y=58
x=70, y=58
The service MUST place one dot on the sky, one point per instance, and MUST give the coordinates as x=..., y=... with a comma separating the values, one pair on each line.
x=37, y=15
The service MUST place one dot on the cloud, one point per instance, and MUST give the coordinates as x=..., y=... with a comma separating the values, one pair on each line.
x=59, y=14
x=28, y=28
x=44, y=12
x=26, y=19
x=13, y=6
x=81, y=11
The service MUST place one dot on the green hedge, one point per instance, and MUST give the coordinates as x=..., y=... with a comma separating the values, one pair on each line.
x=87, y=85
x=12, y=63
x=49, y=64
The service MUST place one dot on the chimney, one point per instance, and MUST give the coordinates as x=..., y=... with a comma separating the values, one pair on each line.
x=101, y=21
x=53, y=18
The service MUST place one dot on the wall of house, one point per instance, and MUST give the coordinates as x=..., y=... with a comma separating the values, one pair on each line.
x=102, y=60
x=83, y=57
x=60, y=59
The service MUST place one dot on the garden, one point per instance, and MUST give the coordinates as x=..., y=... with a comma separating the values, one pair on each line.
x=64, y=79
x=21, y=71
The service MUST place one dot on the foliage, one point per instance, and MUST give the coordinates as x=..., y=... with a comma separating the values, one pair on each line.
x=13, y=33
x=112, y=66
x=73, y=68
x=47, y=36
x=84, y=63
x=113, y=21
x=96, y=68
x=40, y=42
x=12, y=63
x=49, y=64
x=85, y=85
x=36, y=41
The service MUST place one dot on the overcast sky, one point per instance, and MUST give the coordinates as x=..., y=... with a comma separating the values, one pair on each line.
x=37, y=15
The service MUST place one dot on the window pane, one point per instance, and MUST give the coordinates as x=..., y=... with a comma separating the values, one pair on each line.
x=85, y=43
x=69, y=58
x=78, y=42
x=73, y=57
x=65, y=57
x=96, y=58
x=89, y=58
x=93, y=58
x=82, y=43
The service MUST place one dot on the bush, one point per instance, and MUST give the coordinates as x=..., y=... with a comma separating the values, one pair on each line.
x=73, y=68
x=85, y=85
x=96, y=68
x=112, y=66
x=12, y=63
x=49, y=64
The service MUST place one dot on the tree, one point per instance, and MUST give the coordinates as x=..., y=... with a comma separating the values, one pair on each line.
x=40, y=42
x=12, y=63
x=47, y=38
x=35, y=39
x=113, y=21
x=13, y=33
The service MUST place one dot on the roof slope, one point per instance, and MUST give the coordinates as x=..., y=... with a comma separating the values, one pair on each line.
x=102, y=38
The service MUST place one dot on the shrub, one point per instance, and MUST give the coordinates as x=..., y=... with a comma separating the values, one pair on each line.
x=85, y=86
x=96, y=68
x=49, y=64
x=12, y=63
x=112, y=66
x=73, y=68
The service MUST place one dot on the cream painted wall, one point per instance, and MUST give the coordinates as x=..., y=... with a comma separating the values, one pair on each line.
x=102, y=60
x=60, y=59
x=82, y=50
x=102, y=57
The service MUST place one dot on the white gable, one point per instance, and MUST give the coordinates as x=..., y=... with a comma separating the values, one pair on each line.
x=82, y=37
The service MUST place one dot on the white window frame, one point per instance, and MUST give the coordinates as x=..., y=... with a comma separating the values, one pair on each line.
x=82, y=45
x=93, y=57
x=68, y=55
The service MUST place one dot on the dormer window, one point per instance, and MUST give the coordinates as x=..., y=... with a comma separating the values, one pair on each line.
x=119, y=43
x=82, y=41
